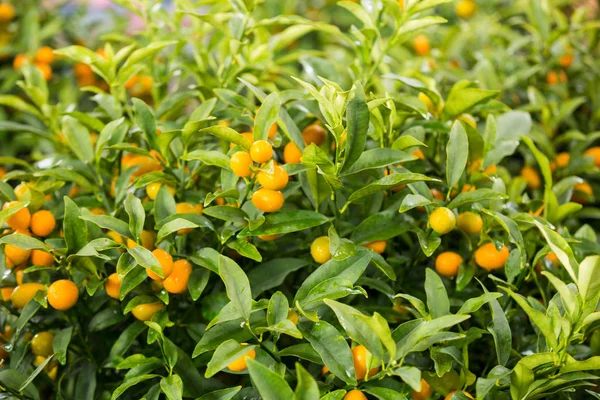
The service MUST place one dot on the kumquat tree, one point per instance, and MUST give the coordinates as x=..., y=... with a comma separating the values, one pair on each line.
x=299, y=199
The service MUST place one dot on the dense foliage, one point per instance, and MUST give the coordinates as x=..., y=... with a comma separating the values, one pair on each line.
x=299, y=199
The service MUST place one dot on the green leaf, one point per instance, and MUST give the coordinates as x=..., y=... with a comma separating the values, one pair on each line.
x=228, y=135
x=414, y=200
x=78, y=139
x=378, y=158
x=267, y=115
x=388, y=182
x=269, y=384
x=223, y=394
x=237, y=285
x=437, y=297
x=209, y=157
x=588, y=281
x=307, y=388
x=332, y=348
x=461, y=99
x=411, y=376
x=60, y=344
x=478, y=195
x=146, y=259
x=225, y=354
x=23, y=242
x=272, y=273
x=286, y=222
x=13, y=379
x=508, y=131
x=561, y=248
x=357, y=125
x=110, y=223
x=130, y=383
x=74, y=227
x=145, y=120
x=457, y=153
x=278, y=308
x=35, y=373
x=137, y=215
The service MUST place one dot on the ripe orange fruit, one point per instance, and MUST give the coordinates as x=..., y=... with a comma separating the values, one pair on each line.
x=424, y=393
x=377, y=246
x=442, y=220
x=45, y=70
x=145, y=312
x=419, y=154
x=7, y=12
x=447, y=263
x=115, y=237
x=319, y=250
x=268, y=238
x=20, y=219
x=355, y=395
x=63, y=294
x=487, y=257
x=6, y=292
x=291, y=153
x=421, y=45
x=581, y=192
x=594, y=152
x=40, y=257
x=139, y=85
x=240, y=364
x=113, y=286
x=465, y=8
x=267, y=200
x=41, y=344
x=273, y=130
x=153, y=188
x=469, y=222
x=532, y=177
x=166, y=262
x=24, y=293
x=247, y=135
x=19, y=61
x=566, y=61
x=44, y=55
x=314, y=133
x=275, y=181
x=359, y=354
x=293, y=316
x=187, y=208
x=562, y=160
x=553, y=258
x=436, y=194
x=449, y=395
x=551, y=78
x=15, y=254
x=261, y=151
x=177, y=281
x=42, y=223
x=240, y=164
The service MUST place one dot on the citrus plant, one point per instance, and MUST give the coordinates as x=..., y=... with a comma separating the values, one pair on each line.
x=335, y=200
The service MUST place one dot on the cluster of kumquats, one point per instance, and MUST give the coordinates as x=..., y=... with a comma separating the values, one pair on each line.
x=300, y=200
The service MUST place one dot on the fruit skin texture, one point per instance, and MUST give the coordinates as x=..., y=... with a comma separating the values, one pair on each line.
x=240, y=163
x=355, y=395
x=44, y=55
x=41, y=344
x=424, y=393
x=63, y=294
x=16, y=255
x=449, y=396
x=532, y=177
x=377, y=246
x=144, y=312
x=442, y=220
x=291, y=153
x=240, y=364
x=447, y=263
x=40, y=257
x=359, y=354
x=267, y=200
x=20, y=219
x=7, y=12
x=319, y=250
x=293, y=316
x=261, y=151
x=153, y=188
x=594, y=152
x=166, y=262
x=113, y=286
x=177, y=281
x=275, y=181
x=314, y=133
x=24, y=293
x=421, y=45
x=469, y=222
x=42, y=223
x=487, y=257
x=465, y=8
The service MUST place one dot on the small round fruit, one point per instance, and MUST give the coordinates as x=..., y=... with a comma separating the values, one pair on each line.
x=240, y=364
x=115, y=237
x=377, y=246
x=469, y=222
x=40, y=257
x=360, y=355
x=293, y=316
x=465, y=8
x=314, y=133
x=42, y=223
x=562, y=159
x=20, y=219
x=355, y=395
x=421, y=45
x=15, y=254
x=424, y=392
x=566, y=60
x=275, y=181
x=291, y=153
x=240, y=164
x=24, y=293
x=447, y=263
x=487, y=257
x=5, y=293
x=247, y=135
x=319, y=250
x=449, y=395
x=532, y=177
x=145, y=312
x=187, y=208
x=553, y=258
x=177, y=281
x=113, y=286
x=7, y=12
x=152, y=190
x=19, y=61
x=261, y=151
x=442, y=220
x=63, y=294
x=166, y=262
x=594, y=152
x=267, y=200
x=41, y=344
x=45, y=70
x=44, y=55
